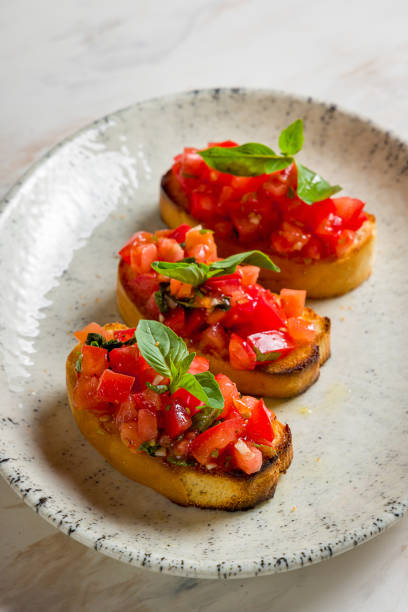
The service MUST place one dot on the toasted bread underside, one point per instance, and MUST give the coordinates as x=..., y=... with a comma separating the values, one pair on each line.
x=184, y=485
x=320, y=278
x=284, y=378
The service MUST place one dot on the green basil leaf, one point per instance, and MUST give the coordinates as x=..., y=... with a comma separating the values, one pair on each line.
x=149, y=447
x=177, y=461
x=204, y=418
x=78, y=363
x=157, y=388
x=312, y=187
x=250, y=159
x=205, y=388
x=160, y=298
x=291, y=139
x=229, y=264
x=94, y=339
x=185, y=271
x=160, y=346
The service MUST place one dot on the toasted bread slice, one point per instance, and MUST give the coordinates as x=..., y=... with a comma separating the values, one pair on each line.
x=284, y=378
x=184, y=485
x=320, y=278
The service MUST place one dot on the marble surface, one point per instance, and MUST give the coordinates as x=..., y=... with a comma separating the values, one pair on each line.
x=62, y=70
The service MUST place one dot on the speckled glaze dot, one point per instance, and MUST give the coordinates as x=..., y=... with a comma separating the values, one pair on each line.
x=60, y=228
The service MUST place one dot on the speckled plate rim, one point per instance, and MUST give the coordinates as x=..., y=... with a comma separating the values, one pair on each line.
x=243, y=568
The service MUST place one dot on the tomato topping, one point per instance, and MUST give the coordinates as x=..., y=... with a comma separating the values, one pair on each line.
x=293, y=301
x=175, y=319
x=114, y=387
x=125, y=360
x=142, y=256
x=214, y=339
x=196, y=321
x=242, y=356
x=259, y=426
x=345, y=240
x=85, y=395
x=188, y=400
x=247, y=457
x=200, y=244
x=199, y=364
x=169, y=250
x=127, y=411
x=302, y=332
x=94, y=360
x=180, y=232
x=176, y=419
x=123, y=335
x=217, y=438
x=143, y=285
x=138, y=238
x=349, y=209
x=270, y=345
x=146, y=425
x=229, y=391
x=249, y=275
x=93, y=328
x=148, y=399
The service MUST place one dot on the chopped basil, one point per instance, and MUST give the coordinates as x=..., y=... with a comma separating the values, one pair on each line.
x=176, y=461
x=161, y=298
x=78, y=364
x=149, y=447
x=204, y=418
x=93, y=339
x=157, y=388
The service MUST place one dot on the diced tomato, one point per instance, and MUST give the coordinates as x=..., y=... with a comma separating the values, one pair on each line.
x=186, y=399
x=142, y=256
x=195, y=322
x=199, y=364
x=92, y=328
x=247, y=457
x=125, y=360
x=143, y=285
x=319, y=211
x=329, y=229
x=302, y=332
x=289, y=238
x=169, y=250
x=356, y=223
x=127, y=411
x=217, y=438
x=136, y=239
x=313, y=249
x=114, y=387
x=146, y=425
x=203, y=205
x=148, y=399
x=226, y=284
x=175, y=319
x=259, y=425
x=151, y=308
x=241, y=355
x=180, y=290
x=293, y=301
x=94, y=360
x=270, y=345
x=123, y=335
x=180, y=232
x=263, y=313
x=129, y=434
x=224, y=143
x=229, y=392
x=344, y=242
x=348, y=209
x=200, y=238
x=176, y=419
x=85, y=396
x=224, y=229
x=249, y=275
x=214, y=339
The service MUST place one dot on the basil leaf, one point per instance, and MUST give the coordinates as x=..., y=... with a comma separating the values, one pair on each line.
x=250, y=159
x=205, y=390
x=112, y=344
x=176, y=461
x=160, y=298
x=94, y=339
x=157, y=388
x=160, y=346
x=229, y=264
x=291, y=139
x=211, y=389
x=78, y=363
x=149, y=447
x=203, y=419
x=185, y=271
x=312, y=187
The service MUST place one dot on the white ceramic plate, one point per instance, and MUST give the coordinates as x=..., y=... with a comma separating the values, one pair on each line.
x=60, y=228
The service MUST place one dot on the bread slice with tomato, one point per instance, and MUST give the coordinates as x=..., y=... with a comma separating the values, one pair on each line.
x=268, y=344
x=221, y=450
x=324, y=247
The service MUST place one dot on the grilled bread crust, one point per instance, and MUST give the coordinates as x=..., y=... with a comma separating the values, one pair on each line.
x=322, y=278
x=286, y=377
x=184, y=485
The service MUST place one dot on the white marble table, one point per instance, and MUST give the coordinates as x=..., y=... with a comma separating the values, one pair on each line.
x=65, y=64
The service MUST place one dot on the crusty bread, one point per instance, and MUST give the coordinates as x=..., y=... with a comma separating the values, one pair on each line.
x=286, y=377
x=185, y=485
x=320, y=278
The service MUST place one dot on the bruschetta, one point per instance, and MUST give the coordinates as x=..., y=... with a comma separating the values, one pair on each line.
x=323, y=246
x=268, y=344
x=159, y=417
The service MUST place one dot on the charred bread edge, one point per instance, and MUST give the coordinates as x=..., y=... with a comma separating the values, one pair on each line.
x=186, y=486
x=320, y=278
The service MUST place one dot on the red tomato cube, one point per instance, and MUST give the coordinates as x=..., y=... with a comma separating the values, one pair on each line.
x=302, y=332
x=180, y=232
x=229, y=392
x=142, y=256
x=93, y=328
x=241, y=355
x=125, y=360
x=199, y=364
x=217, y=438
x=247, y=457
x=176, y=419
x=259, y=425
x=293, y=301
x=94, y=360
x=114, y=387
x=270, y=345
